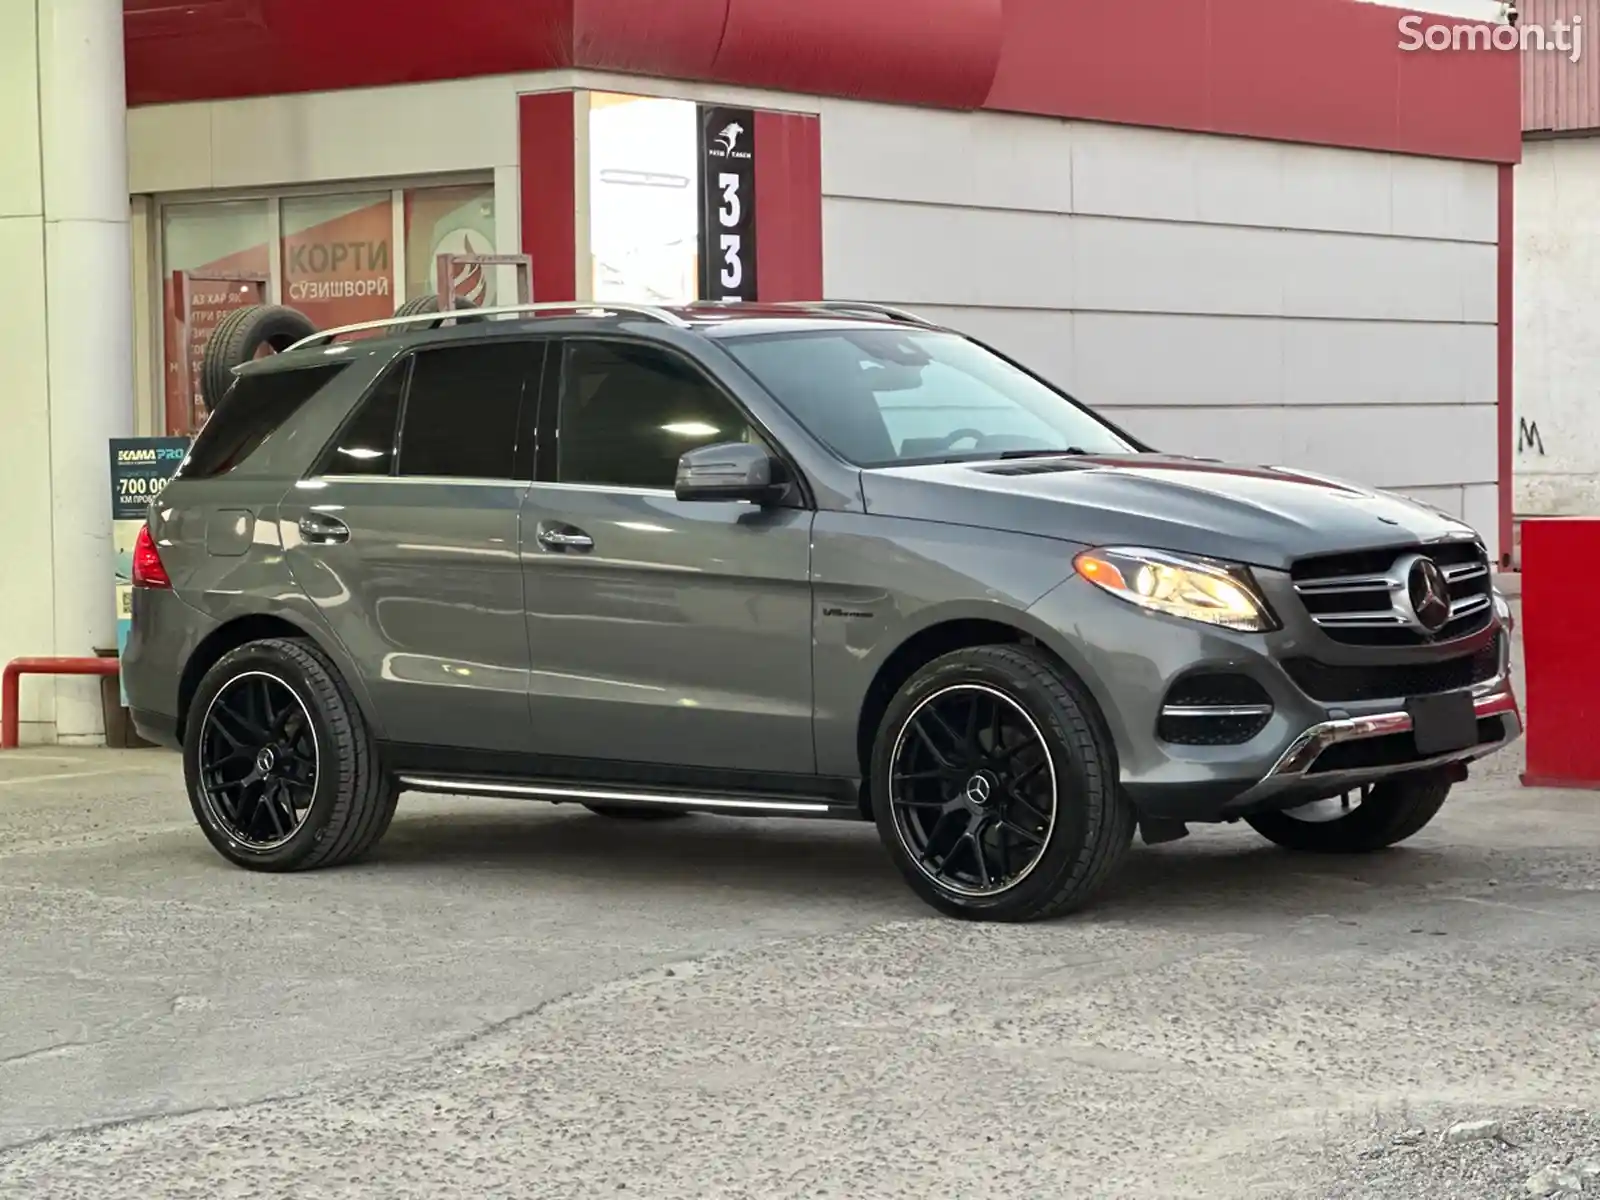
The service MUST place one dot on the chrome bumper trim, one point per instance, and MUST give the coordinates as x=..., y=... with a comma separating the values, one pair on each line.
x=1185, y=711
x=1494, y=699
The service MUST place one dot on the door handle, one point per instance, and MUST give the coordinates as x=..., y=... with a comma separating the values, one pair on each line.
x=320, y=529
x=564, y=537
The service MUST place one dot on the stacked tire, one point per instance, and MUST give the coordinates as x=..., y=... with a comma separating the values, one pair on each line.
x=243, y=335
x=431, y=303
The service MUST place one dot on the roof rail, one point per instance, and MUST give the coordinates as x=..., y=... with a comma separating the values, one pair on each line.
x=550, y=307
x=867, y=307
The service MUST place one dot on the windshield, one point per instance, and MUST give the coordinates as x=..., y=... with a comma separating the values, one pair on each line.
x=885, y=397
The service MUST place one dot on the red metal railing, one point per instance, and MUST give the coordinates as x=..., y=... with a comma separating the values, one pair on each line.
x=11, y=686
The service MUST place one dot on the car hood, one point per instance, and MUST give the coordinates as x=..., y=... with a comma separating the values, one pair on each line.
x=1261, y=516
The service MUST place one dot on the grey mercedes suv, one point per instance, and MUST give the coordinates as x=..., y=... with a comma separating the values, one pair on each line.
x=824, y=560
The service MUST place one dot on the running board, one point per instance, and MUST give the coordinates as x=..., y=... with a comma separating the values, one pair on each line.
x=755, y=806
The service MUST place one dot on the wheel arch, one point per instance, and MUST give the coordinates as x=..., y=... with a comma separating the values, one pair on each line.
x=950, y=631
x=236, y=632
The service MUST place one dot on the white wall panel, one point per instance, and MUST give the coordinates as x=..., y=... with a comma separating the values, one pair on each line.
x=169, y=148
x=990, y=257
x=458, y=125
x=1165, y=175
x=1153, y=266
x=1337, y=191
x=1399, y=279
x=1439, y=198
x=1042, y=339
x=1480, y=508
x=1383, y=449
x=926, y=253
x=1375, y=362
x=969, y=160
x=1147, y=359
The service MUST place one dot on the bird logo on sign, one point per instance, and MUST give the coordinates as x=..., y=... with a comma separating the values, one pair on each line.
x=729, y=137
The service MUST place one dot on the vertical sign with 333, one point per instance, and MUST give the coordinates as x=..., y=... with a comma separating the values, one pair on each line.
x=727, y=203
x=140, y=468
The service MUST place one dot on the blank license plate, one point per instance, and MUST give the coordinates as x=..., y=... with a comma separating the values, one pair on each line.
x=1443, y=723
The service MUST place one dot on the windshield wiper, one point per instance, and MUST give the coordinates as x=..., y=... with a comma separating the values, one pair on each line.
x=1070, y=450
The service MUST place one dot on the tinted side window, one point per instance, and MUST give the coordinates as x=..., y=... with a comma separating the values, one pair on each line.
x=255, y=408
x=628, y=412
x=365, y=446
x=461, y=411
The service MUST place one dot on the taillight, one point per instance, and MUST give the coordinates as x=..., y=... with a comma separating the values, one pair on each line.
x=147, y=569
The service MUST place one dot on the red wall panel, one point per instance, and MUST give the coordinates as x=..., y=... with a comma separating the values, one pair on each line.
x=547, y=136
x=1330, y=72
x=1320, y=71
x=1561, y=654
x=941, y=53
x=789, y=206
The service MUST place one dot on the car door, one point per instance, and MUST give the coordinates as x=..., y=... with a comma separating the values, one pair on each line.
x=660, y=632
x=406, y=537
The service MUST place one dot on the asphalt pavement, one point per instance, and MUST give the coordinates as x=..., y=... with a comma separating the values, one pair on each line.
x=522, y=1001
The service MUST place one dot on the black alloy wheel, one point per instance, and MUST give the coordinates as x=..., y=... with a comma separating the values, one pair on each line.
x=258, y=760
x=282, y=769
x=995, y=788
x=973, y=790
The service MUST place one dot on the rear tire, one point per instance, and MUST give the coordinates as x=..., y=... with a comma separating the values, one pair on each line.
x=634, y=812
x=240, y=336
x=1389, y=812
x=282, y=771
x=995, y=787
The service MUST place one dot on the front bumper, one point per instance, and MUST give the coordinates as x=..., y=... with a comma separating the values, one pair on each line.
x=1308, y=749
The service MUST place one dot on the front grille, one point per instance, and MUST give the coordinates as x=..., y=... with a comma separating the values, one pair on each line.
x=1214, y=709
x=1355, y=598
x=1350, y=685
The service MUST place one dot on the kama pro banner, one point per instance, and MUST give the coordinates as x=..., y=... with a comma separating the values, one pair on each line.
x=727, y=203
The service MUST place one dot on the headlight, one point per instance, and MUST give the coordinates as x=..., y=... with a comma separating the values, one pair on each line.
x=1216, y=593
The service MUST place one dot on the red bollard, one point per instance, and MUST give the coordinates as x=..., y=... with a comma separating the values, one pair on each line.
x=11, y=686
x=1560, y=651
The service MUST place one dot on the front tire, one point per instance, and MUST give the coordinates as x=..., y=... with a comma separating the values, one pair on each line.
x=1381, y=815
x=282, y=771
x=995, y=787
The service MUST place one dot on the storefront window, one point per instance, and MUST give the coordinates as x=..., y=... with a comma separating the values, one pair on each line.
x=212, y=242
x=337, y=262
x=450, y=220
x=338, y=257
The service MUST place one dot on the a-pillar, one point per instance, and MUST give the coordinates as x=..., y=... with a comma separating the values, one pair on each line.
x=65, y=342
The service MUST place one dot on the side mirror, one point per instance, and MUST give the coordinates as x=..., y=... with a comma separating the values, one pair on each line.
x=731, y=471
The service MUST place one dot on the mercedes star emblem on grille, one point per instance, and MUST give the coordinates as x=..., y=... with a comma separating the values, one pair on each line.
x=1429, y=593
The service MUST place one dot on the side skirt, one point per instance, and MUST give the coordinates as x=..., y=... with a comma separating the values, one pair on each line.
x=579, y=781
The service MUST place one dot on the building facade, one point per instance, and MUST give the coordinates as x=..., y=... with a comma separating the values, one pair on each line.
x=1242, y=232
